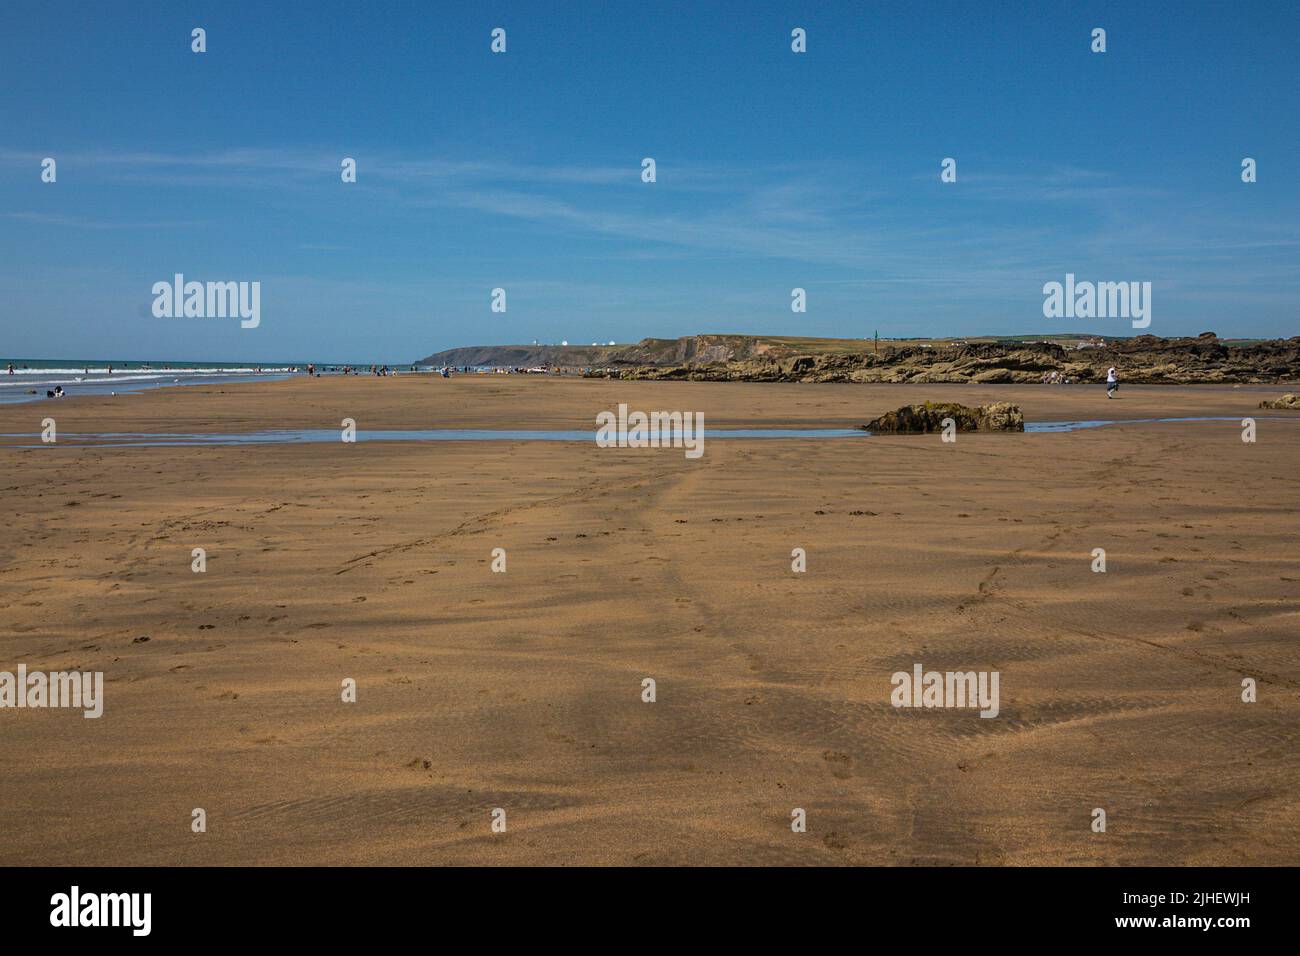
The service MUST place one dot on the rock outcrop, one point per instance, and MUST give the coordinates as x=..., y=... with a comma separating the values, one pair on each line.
x=1141, y=360
x=1288, y=402
x=929, y=417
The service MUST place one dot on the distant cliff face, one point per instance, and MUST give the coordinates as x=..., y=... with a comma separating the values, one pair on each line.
x=690, y=350
x=515, y=356
x=740, y=358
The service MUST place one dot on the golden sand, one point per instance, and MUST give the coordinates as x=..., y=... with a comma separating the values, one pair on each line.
x=522, y=690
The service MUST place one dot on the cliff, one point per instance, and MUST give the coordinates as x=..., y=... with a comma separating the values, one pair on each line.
x=746, y=358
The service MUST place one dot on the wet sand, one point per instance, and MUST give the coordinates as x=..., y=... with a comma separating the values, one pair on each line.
x=522, y=690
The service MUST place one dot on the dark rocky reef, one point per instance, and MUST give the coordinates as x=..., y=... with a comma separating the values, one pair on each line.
x=1145, y=359
x=930, y=416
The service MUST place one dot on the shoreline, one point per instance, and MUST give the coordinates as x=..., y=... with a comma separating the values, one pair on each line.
x=126, y=382
x=425, y=400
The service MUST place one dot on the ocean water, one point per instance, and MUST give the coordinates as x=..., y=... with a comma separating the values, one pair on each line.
x=30, y=379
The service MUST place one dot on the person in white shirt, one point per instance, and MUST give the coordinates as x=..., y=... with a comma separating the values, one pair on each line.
x=1112, y=382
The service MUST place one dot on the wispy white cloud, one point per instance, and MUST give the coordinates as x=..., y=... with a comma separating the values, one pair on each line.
x=1002, y=229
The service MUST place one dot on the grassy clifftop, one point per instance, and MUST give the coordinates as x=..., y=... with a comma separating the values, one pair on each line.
x=1025, y=358
x=705, y=349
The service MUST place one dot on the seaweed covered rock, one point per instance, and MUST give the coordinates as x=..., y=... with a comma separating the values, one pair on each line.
x=917, y=419
x=1287, y=401
x=1001, y=417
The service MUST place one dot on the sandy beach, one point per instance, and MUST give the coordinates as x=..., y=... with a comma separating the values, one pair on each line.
x=523, y=690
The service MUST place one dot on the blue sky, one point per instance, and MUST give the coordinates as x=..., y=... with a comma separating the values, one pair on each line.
x=522, y=170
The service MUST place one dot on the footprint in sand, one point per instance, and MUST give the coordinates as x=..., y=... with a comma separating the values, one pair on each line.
x=840, y=763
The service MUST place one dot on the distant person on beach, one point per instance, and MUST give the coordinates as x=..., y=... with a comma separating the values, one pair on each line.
x=1112, y=382
x=11, y=368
